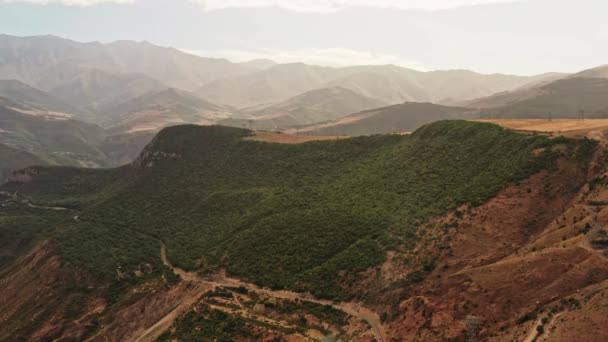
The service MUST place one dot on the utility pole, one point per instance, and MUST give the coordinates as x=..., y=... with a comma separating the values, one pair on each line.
x=582, y=117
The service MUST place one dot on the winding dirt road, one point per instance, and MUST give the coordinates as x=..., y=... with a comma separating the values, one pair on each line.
x=352, y=309
x=202, y=285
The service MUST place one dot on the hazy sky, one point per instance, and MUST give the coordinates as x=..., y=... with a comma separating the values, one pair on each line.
x=520, y=37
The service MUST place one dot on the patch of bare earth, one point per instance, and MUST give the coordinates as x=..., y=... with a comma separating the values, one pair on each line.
x=568, y=127
x=46, y=114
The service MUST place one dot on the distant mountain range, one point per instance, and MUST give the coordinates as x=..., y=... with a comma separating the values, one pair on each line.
x=27, y=97
x=64, y=141
x=155, y=110
x=389, y=84
x=48, y=62
x=317, y=105
x=552, y=96
x=564, y=97
x=94, y=104
x=92, y=77
x=403, y=118
x=95, y=82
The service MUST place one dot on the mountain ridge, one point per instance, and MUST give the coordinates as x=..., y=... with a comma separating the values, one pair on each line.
x=311, y=107
x=270, y=86
x=374, y=223
x=157, y=109
x=401, y=118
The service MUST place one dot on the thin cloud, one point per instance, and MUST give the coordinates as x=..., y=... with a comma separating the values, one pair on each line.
x=81, y=3
x=318, y=6
x=336, y=5
x=335, y=57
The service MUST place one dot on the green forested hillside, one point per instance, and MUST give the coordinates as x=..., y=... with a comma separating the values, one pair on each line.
x=284, y=216
x=13, y=159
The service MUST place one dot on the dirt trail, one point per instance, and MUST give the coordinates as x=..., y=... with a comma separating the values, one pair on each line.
x=162, y=325
x=533, y=332
x=533, y=335
x=585, y=244
x=352, y=309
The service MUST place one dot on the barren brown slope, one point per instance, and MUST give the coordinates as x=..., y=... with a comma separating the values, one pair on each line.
x=39, y=299
x=566, y=127
x=530, y=257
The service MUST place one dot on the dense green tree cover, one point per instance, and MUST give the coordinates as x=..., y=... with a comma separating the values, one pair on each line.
x=325, y=313
x=283, y=216
x=207, y=324
x=20, y=226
